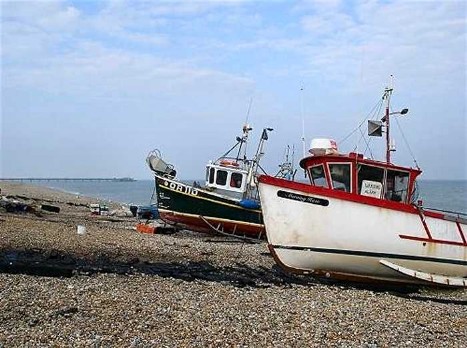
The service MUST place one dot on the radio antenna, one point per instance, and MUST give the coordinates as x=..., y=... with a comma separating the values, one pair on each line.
x=246, y=129
x=303, y=121
x=248, y=112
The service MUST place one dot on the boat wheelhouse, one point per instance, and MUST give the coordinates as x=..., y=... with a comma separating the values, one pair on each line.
x=227, y=176
x=360, y=178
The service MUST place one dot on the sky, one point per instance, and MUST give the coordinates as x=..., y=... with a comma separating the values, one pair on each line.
x=89, y=88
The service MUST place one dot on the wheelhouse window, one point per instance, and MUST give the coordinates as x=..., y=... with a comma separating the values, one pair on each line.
x=340, y=176
x=212, y=171
x=370, y=180
x=221, y=178
x=397, y=183
x=236, y=180
x=318, y=176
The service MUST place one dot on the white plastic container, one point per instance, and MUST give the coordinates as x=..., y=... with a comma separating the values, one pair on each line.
x=81, y=230
x=322, y=146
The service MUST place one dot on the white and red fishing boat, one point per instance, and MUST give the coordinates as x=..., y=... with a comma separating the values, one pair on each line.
x=359, y=219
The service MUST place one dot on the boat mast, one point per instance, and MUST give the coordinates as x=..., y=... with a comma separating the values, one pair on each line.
x=243, y=140
x=253, y=169
x=259, y=151
x=376, y=126
x=387, y=96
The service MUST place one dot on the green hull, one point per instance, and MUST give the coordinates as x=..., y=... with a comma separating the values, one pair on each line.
x=191, y=207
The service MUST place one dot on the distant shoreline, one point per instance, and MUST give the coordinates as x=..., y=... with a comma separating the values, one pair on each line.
x=48, y=193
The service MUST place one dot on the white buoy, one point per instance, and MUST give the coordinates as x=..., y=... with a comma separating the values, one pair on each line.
x=81, y=229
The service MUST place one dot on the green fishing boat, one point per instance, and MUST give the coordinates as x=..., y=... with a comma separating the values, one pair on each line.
x=228, y=203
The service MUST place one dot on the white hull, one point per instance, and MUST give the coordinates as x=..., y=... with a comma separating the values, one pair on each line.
x=348, y=239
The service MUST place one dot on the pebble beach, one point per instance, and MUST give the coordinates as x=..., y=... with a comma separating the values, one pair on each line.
x=115, y=287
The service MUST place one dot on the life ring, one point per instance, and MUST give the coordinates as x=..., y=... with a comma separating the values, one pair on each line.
x=229, y=163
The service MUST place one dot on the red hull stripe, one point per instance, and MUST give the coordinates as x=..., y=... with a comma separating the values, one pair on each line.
x=432, y=240
x=346, y=196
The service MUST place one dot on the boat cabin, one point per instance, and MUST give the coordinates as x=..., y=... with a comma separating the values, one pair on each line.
x=227, y=177
x=357, y=175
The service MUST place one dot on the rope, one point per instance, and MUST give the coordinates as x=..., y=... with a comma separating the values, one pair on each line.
x=367, y=144
x=228, y=151
x=153, y=194
x=372, y=112
x=407, y=143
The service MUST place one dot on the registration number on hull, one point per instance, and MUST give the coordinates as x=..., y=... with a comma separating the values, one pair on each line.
x=176, y=186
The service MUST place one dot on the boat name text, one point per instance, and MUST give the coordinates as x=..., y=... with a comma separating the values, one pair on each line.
x=302, y=198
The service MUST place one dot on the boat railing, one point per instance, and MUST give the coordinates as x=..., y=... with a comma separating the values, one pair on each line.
x=450, y=215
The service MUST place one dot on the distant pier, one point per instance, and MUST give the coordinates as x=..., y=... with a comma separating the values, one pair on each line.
x=69, y=179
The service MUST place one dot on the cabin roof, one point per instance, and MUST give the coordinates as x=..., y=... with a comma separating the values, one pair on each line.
x=352, y=158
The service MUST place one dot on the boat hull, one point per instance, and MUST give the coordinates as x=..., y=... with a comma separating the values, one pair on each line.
x=203, y=211
x=310, y=230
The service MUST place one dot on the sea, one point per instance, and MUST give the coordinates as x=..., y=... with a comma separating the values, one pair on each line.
x=449, y=195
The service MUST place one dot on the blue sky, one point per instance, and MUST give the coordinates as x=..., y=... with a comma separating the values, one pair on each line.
x=89, y=88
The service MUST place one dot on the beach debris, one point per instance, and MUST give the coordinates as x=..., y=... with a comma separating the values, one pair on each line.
x=74, y=204
x=14, y=206
x=95, y=209
x=99, y=209
x=51, y=208
x=166, y=230
x=149, y=212
x=134, y=210
x=104, y=210
x=81, y=230
x=144, y=228
x=150, y=229
x=122, y=212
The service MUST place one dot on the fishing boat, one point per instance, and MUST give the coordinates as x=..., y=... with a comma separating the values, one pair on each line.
x=227, y=204
x=359, y=219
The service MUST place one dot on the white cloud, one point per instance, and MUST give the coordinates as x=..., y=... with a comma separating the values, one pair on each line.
x=200, y=58
x=112, y=72
x=62, y=18
x=389, y=38
x=329, y=23
x=31, y=31
x=41, y=60
x=48, y=16
x=319, y=6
